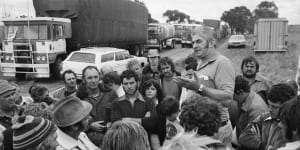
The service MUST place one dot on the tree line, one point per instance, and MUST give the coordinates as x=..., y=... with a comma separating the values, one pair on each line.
x=239, y=18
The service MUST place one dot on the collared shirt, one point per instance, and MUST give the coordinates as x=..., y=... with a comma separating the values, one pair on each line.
x=220, y=70
x=62, y=93
x=66, y=142
x=253, y=106
x=261, y=85
x=122, y=107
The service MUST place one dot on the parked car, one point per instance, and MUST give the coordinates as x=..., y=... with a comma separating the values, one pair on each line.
x=116, y=58
x=236, y=41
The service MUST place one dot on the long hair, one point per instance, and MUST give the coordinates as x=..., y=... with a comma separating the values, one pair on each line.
x=166, y=61
x=146, y=85
x=126, y=135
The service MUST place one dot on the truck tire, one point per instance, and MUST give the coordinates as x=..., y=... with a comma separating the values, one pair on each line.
x=20, y=76
x=55, y=68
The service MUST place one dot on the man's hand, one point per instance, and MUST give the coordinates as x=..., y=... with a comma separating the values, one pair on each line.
x=97, y=126
x=191, y=84
x=148, y=114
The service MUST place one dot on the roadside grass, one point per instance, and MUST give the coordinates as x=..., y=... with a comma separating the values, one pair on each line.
x=277, y=66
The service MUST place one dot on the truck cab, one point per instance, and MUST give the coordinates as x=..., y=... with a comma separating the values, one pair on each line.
x=34, y=46
x=161, y=36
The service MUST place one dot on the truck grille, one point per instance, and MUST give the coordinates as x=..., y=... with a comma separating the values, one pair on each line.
x=22, y=53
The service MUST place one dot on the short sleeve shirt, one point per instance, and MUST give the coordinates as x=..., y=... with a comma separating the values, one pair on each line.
x=221, y=72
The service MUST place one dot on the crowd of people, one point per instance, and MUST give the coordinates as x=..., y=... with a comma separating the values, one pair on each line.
x=206, y=106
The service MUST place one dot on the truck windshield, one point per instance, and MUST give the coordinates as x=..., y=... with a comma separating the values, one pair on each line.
x=153, y=30
x=38, y=32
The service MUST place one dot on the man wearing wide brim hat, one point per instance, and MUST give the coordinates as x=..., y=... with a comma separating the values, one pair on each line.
x=151, y=71
x=71, y=115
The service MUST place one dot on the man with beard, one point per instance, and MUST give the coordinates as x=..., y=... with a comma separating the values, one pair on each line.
x=265, y=132
x=168, y=72
x=70, y=88
x=101, y=98
x=8, y=109
x=132, y=104
x=259, y=84
x=213, y=78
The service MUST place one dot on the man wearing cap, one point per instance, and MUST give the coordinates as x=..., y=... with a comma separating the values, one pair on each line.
x=71, y=115
x=34, y=133
x=101, y=97
x=151, y=71
x=8, y=108
x=217, y=69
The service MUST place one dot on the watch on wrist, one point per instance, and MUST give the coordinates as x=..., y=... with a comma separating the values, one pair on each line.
x=201, y=88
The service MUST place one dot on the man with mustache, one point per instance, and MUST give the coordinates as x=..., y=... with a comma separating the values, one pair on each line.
x=258, y=83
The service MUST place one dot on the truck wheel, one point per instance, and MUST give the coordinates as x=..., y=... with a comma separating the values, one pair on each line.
x=20, y=76
x=55, y=68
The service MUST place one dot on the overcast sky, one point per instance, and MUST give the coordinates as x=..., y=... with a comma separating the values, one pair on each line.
x=196, y=9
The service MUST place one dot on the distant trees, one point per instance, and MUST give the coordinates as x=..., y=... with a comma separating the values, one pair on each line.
x=241, y=19
x=176, y=16
x=237, y=18
x=266, y=10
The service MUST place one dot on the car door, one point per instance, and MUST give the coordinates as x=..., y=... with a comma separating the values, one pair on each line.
x=119, y=60
x=108, y=60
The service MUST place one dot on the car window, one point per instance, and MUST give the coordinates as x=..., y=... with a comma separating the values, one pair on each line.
x=83, y=57
x=119, y=56
x=126, y=55
x=107, y=57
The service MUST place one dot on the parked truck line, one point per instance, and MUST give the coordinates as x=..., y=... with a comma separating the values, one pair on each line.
x=67, y=25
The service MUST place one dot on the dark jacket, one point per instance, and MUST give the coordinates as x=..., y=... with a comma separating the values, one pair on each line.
x=103, y=101
x=156, y=124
